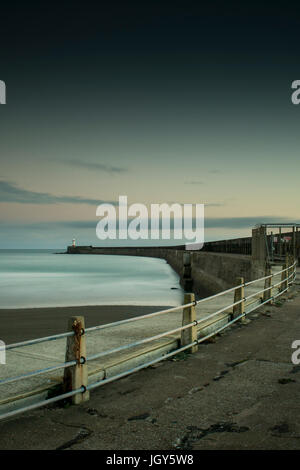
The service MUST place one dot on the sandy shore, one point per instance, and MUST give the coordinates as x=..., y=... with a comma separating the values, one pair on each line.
x=22, y=324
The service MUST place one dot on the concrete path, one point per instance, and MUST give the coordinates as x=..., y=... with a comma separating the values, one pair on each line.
x=239, y=392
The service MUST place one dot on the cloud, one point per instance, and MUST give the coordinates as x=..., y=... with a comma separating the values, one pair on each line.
x=96, y=166
x=244, y=222
x=193, y=182
x=10, y=192
x=208, y=204
x=215, y=204
x=231, y=223
x=58, y=233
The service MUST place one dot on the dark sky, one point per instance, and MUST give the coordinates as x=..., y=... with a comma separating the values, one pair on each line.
x=160, y=101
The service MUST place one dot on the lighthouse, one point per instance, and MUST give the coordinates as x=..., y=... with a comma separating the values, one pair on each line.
x=73, y=243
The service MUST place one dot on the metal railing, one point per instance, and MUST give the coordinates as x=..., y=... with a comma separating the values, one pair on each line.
x=288, y=275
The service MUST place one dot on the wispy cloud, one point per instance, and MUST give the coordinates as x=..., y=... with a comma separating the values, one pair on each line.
x=215, y=204
x=194, y=182
x=212, y=222
x=10, y=192
x=228, y=223
x=58, y=233
x=244, y=222
x=96, y=166
x=206, y=204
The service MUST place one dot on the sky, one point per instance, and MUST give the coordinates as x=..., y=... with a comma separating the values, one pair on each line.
x=160, y=101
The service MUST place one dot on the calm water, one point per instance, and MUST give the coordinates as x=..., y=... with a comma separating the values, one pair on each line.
x=39, y=278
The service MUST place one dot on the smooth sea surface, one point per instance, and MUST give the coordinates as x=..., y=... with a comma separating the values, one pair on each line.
x=40, y=278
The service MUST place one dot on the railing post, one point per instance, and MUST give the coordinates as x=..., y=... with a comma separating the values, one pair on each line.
x=294, y=242
x=280, y=242
x=287, y=264
x=268, y=285
x=291, y=269
x=2, y=352
x=239, y=294
x=77, y=375
x=189, y=335
x=283, y=284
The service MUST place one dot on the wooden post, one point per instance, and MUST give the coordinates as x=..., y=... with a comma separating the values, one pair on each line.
x=280, y=243
x=287, y=263
x=2, y=352
x=294, y=242
x=77, y=375
x=239, y=294
x=296, y=245
x=290, y=270
x=268, y=286
x=189, y=315
x=283, y=284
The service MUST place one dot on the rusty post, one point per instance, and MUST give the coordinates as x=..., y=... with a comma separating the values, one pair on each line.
x=77, y=375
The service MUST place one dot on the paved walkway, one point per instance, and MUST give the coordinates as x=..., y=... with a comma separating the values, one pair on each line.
x=239, y=392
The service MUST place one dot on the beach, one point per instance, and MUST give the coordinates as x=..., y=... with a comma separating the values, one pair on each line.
x=29, y=323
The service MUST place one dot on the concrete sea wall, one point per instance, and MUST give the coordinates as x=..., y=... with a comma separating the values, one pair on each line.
x=205, y=273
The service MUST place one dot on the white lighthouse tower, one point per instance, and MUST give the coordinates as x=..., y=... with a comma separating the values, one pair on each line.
x=73, y=243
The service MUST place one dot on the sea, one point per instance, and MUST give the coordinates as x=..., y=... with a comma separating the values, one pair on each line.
x=50, y=278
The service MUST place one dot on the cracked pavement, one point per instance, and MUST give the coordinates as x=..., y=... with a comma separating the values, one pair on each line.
x=239, y=391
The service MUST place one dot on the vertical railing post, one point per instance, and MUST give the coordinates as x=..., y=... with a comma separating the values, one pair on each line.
x=189, y=335
x=268, y=285
x=2, y=352
x=291, y=269
x=239, y=295
x=283, y=284
x=280, y=243
x=287, y=264
x=294, y=242
x=297, y=254
x=77, y=375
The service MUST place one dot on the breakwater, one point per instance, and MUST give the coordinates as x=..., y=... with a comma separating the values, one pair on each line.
x=203, y=273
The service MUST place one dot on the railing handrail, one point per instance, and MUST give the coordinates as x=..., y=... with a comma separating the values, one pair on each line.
x=147, y=315
x=286, y=282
